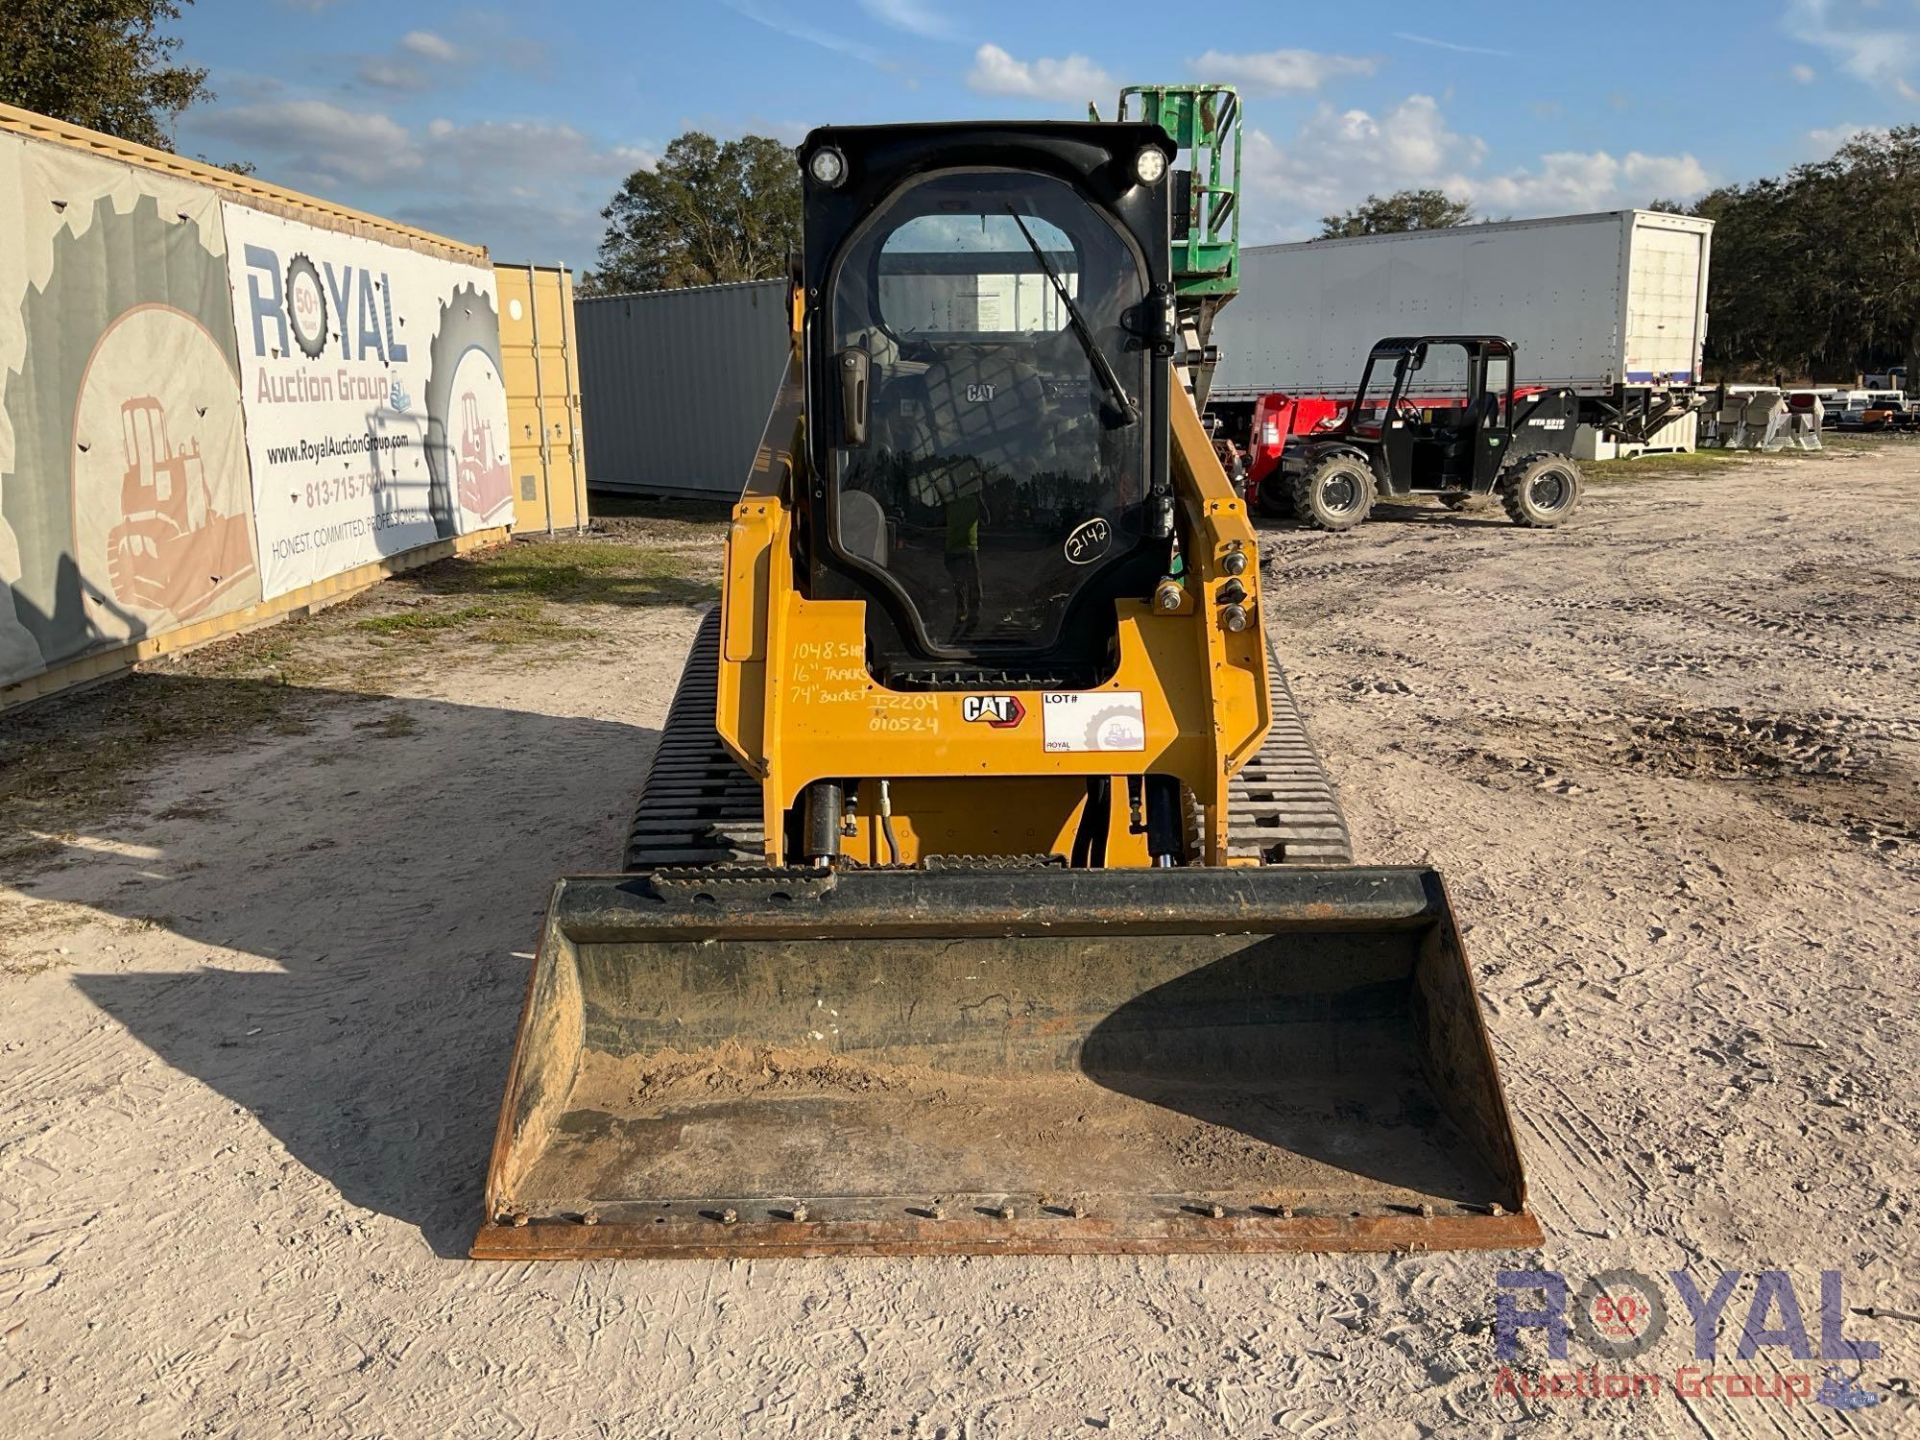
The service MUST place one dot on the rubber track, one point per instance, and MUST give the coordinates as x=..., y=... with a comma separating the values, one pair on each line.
x=1282, y=807
x=699, y=807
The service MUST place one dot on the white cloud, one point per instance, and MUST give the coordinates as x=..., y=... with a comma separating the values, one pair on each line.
x=383, y=72
x=516, y=148
x=429, y=46
x=781, y=23
x=1338, y=157
x=916, y=17
x=1278, y=72
x=492, y=37
x=1570, y=181
x=1667, y=175
x=1074, y=79
x=408, y=68
x=1454, y=46
x=301, y=142
x=1830, y=138
x=1409, y=142
x=1866, y=45
x=528, y=189
x=1802, y=74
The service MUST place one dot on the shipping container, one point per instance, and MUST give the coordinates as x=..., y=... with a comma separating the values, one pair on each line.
x=540, y=364
x=222, y=402
x=1610, y=305
x=676, y=385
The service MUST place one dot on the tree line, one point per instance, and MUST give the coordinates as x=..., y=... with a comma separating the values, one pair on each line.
x=104, y=64
x=1815, y=273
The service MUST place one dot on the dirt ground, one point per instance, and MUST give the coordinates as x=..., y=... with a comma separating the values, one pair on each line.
x=266, y=915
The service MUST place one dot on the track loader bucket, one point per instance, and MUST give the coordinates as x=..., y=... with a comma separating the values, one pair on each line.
x=1002, y=1061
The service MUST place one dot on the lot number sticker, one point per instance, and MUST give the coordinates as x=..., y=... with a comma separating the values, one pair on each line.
x=1101, y=720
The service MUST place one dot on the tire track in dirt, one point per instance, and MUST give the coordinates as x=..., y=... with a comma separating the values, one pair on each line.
x=1771, y=628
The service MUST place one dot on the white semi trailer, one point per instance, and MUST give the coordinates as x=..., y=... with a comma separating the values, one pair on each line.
x=1611, y=305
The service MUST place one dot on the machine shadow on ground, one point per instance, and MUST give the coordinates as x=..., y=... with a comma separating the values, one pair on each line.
x=401, y=921
x=1492, y=518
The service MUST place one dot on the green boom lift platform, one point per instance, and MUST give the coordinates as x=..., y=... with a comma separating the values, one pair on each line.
x=1204, y=121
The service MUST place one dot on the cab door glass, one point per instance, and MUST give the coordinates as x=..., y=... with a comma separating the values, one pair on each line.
x=999, y=471
x=1499, y=384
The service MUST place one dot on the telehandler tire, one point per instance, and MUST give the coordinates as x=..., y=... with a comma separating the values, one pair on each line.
x=1334, y=493
x=1539, y=491
x=1273, y=499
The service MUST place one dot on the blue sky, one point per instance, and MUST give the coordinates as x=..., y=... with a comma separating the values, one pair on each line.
x=512, y=126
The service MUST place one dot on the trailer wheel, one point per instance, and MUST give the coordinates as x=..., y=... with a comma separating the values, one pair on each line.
x=1333, y=493
x=1540, y=491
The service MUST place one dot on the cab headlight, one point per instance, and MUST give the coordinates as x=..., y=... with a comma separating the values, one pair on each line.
x=828, y=166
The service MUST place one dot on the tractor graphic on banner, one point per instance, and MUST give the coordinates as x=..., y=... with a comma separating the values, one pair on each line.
x=481, y=476
x=173, y=550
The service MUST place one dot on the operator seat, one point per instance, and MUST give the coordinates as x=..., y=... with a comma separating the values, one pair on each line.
x=984, y=402
x=863, y=527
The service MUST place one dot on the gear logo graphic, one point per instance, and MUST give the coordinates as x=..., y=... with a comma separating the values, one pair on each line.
x=139, y=511
x=1115, y=729
x=466, y=457
x=306, y=307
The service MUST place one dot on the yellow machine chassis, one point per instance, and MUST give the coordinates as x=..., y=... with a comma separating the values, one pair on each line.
x=797, y=704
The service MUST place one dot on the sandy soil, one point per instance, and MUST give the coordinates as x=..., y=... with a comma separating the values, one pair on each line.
x=255, y=1018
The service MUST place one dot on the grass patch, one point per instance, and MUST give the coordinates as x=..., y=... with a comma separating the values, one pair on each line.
x=31, y=850
x=426, y=622
x=1860, y=444
x=68, y=761
x=504, y=598
x=640, y=515
x=273, y=654
x=532, y=632
x=1662, y=467
x=1702, y=463
x=582, y=572
x=517, y=621
x=37, y=920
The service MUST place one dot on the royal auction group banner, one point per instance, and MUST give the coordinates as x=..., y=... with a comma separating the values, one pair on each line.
x=204, y=405
x=370, y=375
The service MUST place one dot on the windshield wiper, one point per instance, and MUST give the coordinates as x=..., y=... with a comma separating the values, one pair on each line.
x=1102, y=367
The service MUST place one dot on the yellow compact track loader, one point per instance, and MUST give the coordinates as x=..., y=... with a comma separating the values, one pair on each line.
x=985, y=894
